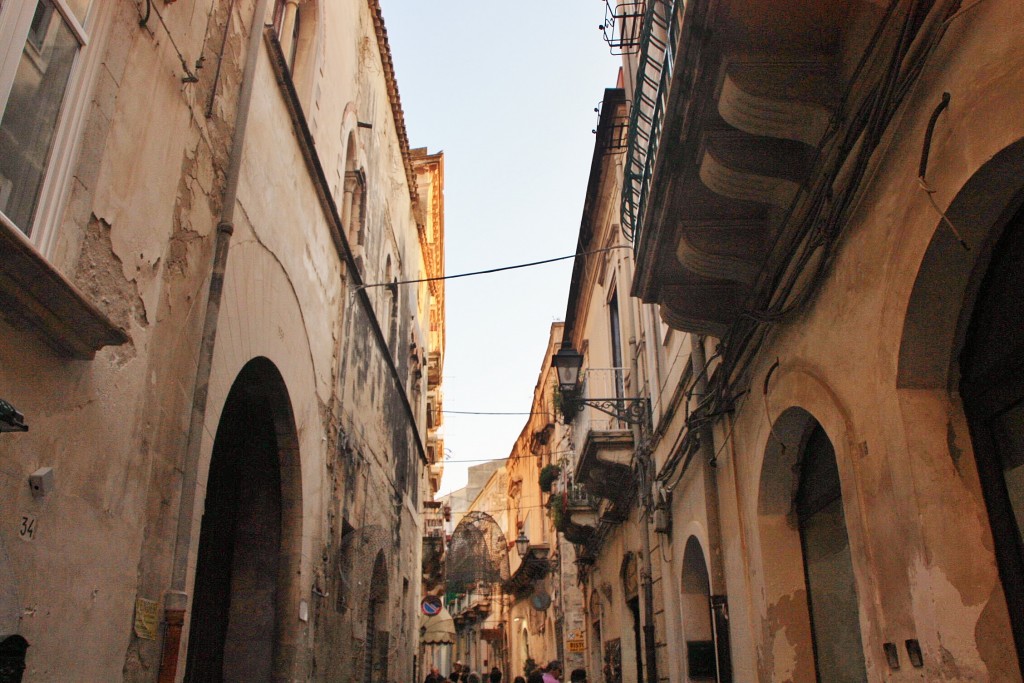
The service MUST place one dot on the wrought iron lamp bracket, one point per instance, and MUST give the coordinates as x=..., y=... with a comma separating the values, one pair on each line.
x=634, y=411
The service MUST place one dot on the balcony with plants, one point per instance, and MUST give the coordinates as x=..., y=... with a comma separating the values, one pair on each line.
x=573, y=511
x=604, y=441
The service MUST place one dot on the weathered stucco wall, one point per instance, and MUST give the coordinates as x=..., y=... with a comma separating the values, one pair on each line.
x=921, y=545
x=137, y=240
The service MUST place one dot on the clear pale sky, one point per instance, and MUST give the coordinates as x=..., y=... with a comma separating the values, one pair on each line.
x=507, y=91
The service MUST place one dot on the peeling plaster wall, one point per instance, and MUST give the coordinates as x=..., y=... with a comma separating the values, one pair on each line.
x=919, y=535
x=874, y=360
x=137, y=239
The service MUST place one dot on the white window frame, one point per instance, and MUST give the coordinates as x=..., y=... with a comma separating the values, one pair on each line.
x=15, y=21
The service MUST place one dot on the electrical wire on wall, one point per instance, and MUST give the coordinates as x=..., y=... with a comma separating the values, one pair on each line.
x=829, y=209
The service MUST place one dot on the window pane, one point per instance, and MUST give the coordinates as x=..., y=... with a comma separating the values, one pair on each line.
x=30, y=120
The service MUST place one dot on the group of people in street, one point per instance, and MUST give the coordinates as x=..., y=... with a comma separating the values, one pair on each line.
x=461, y=674
x=550, y=674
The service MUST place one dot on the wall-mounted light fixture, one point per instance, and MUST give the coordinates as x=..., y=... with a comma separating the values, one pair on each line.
x=10, y=419
x=522, y=544
x=567, y=363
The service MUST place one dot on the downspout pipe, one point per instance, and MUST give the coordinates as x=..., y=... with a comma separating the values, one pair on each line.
x=175, y=599
x=706, y=447
x=709, y=471
x=650, y=643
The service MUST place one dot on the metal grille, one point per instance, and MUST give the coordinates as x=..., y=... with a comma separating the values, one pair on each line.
x=622, y=27
x=614, y=137
x=658, y=43
x=356, y=557
x=477, y=553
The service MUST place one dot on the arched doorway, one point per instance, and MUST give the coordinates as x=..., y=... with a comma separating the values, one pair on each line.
x=631, y=592
x=992, y=389
x=378, y=636
x=958, y=298
x=596, y=643
x=698, y=630
x=524, y=649
x=828, y=566
x=805, y=551
x=248, y=543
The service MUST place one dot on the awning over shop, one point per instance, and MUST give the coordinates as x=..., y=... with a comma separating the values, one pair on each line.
x=437, y=630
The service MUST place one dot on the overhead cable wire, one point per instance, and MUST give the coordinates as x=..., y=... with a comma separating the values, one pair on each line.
x=484, y=412
x=511, y=457
x=491, y=270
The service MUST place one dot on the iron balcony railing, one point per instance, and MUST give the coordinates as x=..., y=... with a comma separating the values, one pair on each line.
x=577, y=496
x=433, y=520
x=623, y=22
x=599, y=383
x=659, y=41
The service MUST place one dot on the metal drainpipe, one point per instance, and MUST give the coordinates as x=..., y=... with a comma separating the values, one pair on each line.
x=647, y=577
x=698, y=360
x=175, y=599
x=650, y=648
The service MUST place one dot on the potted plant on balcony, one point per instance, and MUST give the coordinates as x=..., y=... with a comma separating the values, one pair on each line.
x=548, y=475
x=556, y=508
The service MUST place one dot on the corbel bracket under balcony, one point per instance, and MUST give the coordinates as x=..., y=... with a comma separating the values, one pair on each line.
x=606, y=464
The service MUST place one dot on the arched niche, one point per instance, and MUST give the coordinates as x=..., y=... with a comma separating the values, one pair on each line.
x=809, y=584
x=697, y=627
x=376, y=642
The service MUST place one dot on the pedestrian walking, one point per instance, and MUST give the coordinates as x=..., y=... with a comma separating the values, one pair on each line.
x=578, y=676
x=434, y=676
x=495, y=675
x=553, y=674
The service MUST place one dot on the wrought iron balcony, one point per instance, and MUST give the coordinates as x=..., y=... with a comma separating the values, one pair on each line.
x=604, y=443
x=658, y=38
x=750, y=135
x=623, y=21
x=602, y=403
x=433, y=519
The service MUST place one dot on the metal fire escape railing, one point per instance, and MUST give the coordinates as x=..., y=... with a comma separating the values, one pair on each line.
x=622, y=27
x=658, y=44
x=613, y=139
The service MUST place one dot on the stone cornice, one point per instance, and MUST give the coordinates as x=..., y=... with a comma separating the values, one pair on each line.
x=393, y=97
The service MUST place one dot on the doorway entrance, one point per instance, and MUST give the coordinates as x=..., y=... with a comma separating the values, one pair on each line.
x=992, y=388
x=244, y=566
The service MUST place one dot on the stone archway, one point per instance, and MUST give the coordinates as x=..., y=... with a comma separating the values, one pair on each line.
x=992, y=389
x=241, y=625
x=698, y=630
x=971, y=533
x=809, y=582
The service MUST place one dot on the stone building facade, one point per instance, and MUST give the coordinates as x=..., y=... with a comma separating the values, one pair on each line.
x=205, y=225
x=823, y=203
x=546, y=606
